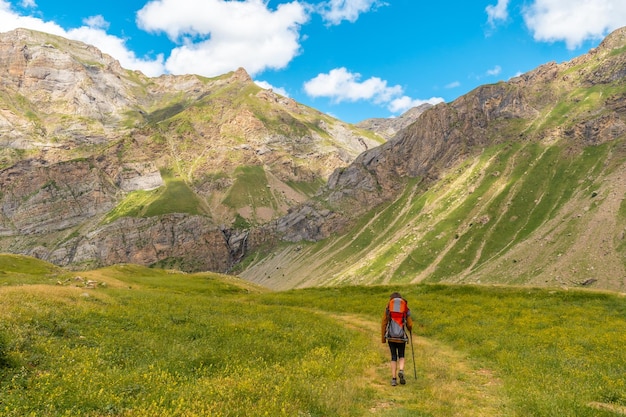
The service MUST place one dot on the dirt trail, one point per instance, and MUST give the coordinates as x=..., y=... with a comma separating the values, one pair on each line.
x=447, y=384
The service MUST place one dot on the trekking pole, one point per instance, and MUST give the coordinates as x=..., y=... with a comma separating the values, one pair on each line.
x=413, y=352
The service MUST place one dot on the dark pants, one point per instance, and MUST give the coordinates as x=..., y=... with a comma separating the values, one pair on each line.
x=397, y=350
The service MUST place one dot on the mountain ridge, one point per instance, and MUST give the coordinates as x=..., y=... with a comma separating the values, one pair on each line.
x=102, y=165
x=561, y=117
x=518, y=182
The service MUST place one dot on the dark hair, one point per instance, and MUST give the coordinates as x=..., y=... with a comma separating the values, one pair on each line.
x=395, y=295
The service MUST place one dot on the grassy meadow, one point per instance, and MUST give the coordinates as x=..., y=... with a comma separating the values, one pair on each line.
x=133, y=341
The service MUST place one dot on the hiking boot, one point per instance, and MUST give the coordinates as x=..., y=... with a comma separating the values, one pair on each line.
x=393, y=382
x=401, y=375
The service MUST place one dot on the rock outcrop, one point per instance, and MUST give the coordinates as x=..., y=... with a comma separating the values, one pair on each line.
x=388, y=128
x=102, y=165
x=541, y=105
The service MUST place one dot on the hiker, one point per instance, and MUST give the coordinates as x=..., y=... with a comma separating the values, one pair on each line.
x=396, y=319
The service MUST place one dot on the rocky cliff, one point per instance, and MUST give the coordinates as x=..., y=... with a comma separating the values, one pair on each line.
x=388, y=128
x=519, y=182
x=101, y=165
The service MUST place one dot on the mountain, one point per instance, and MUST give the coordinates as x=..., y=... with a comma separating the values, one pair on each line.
x=388, y=128
x=101, y=165
x=520, y=182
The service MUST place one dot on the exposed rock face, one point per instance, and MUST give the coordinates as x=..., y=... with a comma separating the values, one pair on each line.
x=40, y=198
x=388, y=128
x=177, y=239
x=521, y=182
x=447, y=133
x=101, y=165
x=87, y=85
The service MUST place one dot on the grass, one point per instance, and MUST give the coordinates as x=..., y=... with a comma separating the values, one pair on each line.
x=157, y=342
x=174, y=197
x=471, y=216
x=250, y=189
x=18, y=269
x=307, y=188
x=555, y=351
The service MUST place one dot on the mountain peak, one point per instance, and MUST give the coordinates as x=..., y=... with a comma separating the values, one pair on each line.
x=241, y=75
x=83, y=137
x=616, y=39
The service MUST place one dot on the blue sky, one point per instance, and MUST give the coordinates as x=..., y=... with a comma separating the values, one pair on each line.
x=353, y=59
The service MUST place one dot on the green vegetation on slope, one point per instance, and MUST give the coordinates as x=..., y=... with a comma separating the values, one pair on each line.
x=154, y=342
x=502, y=202
x=541, y=182
x=250, y=193
x=19, y=269
x=174, y=197
x=576, y=104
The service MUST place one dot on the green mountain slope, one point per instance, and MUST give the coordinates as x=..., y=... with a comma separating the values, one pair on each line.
x=100, y=165
x=520, y=182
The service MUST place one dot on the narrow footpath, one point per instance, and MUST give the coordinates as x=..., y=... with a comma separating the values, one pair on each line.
x=448, y=384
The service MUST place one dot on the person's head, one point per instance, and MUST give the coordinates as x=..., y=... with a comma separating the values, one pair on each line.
x=395, y=295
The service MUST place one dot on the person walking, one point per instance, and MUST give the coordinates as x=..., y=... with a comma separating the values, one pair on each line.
x=396, y=320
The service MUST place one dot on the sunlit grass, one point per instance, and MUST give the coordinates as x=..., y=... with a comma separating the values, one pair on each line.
x=148, y=342
x=556, y=351
x=175, y=197
x=171, y=344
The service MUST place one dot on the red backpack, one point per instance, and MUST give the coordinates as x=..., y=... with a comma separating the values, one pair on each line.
x=397, y=311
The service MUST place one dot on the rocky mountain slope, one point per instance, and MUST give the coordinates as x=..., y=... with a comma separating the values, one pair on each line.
x=101, y=165
x=519, y=182
x=388, y=128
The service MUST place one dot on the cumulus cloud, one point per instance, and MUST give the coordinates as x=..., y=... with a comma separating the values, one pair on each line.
x=92, y=33
x=573, y=21
x=335, y=11
x=97, y=22
x=10, y=20
x=497, y=13
x=342, y=85
x=116, y=47
x=218, y=36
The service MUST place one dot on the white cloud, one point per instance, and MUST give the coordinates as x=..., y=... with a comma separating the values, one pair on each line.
x=574, y=21
x=218, y=36
x=341, y=85
x=92, y=34
x=97, y=22
x=496, y=13
x=453, y=84
x=495, y=70
x=268, y=86
x=28, y=3
x=116, y=47
x=336, y=11
x=10, y=20
x=404, y=103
